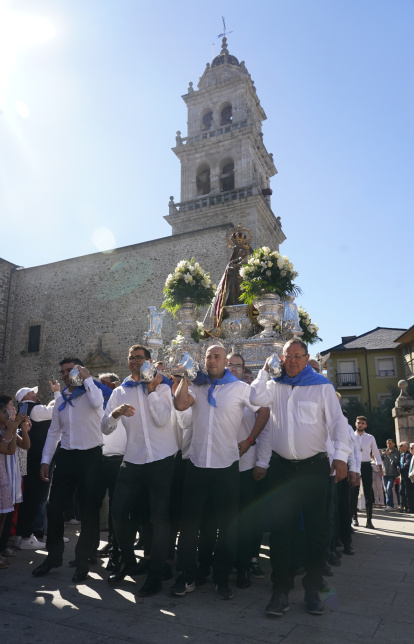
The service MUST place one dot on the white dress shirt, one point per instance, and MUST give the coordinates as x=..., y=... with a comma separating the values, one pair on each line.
x=354, y=461
x=150, y=432
x=114, y=444
x=44, y=412
x=78, y=425
x=366, y=444
x=301, y=419
x=215, y=429
x=254, y=455
x=183, y=430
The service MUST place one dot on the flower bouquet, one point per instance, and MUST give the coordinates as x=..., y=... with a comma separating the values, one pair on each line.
x=267, y=272
x=188, y=281
x=310, y=330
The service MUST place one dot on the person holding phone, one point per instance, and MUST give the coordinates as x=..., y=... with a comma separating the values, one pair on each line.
x=35, y=491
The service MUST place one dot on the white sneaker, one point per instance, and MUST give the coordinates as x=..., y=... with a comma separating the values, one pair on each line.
x=30, y=544
x=388, y=508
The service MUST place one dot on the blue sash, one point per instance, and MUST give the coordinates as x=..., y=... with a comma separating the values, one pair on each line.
x=305, y=378
x=203, y=378
x=78, y=391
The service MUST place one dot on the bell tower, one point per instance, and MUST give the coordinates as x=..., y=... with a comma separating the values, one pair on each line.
x=225, y=167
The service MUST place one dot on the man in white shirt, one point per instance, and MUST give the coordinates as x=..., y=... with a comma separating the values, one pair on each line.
x=76, y=423
x=366, y=445
x=145, y=476
x=304, y=409
x=213, y=469
x=35, y=490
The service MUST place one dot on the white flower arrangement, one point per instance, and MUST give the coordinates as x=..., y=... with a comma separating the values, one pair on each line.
x=267, y=271
x=188, y=280
x=310, y=330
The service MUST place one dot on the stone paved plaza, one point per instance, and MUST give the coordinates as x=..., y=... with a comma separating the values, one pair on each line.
x=371, y=599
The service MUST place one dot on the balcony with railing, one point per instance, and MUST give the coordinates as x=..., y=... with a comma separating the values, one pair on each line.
x=213, y=199
x=348, y=380
x=210, y=134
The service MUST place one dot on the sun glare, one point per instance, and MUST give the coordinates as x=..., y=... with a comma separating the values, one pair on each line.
x=18, y=31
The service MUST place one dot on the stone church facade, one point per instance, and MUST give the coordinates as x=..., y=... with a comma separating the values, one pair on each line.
x=95, y=306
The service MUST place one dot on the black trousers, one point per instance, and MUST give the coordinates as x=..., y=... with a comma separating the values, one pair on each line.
x=221, y=485
x=246, y=537
x=407, y=494
x=110, y=470
x=35, y=492
x=344, y=511
x=295, y=488
x=245, y=532
x=180, y=469
x=148, y=488
x=366, y=477
x=75, y=469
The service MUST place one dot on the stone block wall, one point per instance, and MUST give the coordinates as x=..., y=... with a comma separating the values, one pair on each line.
x=97, y=303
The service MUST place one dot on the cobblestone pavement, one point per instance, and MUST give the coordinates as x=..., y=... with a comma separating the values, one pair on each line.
x=371, y=599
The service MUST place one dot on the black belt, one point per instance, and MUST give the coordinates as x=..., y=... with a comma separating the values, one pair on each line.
x=315, y=457
x=116, y=457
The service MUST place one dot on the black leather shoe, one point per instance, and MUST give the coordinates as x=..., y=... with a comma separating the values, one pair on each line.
x=243, y=579
x=348, y=550
x=80, y=575
x=122, y=571
x=151, y=587
x=370, y=525
x=313, y=602
x=45, y=567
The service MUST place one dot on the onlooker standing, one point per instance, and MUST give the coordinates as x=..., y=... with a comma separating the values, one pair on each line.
x=367, y=445
x=407, y=489
x=377, y=487
x=391, y=460
x=35, y=490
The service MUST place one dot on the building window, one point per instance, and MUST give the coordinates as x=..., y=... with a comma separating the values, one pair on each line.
x=227, y=177
x=346, y=399
x=347, y=374
x=34, y=339
x=226, y=116
x=203, y=180
x=383, y=397
x=207, y=120
x=385, y=367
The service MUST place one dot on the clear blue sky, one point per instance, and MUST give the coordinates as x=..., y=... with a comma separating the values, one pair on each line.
x=90, y=92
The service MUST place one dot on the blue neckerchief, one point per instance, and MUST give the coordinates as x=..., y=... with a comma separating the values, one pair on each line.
x=106, y=391
x=305, y=378
x=78, y=391
x=128, y=382
x=203, y=378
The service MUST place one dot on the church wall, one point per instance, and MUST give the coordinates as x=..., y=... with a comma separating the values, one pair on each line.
x=98, y=302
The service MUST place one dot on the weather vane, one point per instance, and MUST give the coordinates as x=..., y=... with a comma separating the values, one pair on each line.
x=223, y=35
